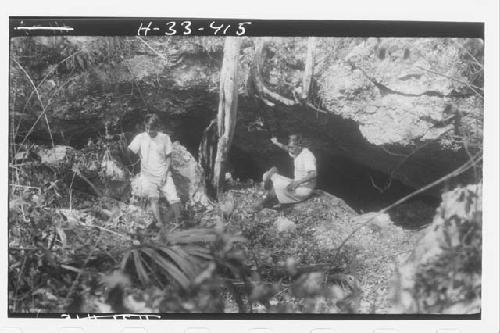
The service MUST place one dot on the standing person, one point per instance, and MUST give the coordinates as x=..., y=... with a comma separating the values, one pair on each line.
x=154, y=149
x=301, y=187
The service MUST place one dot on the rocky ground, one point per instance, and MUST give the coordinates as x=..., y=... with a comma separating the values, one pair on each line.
x=311, y=233
x=345, y=261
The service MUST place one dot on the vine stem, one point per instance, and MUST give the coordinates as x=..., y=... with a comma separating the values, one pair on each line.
x=44, y=108
x=71, y=191
x=472, y=87
x=77, y=279
x=47, y=76
x=466, y=166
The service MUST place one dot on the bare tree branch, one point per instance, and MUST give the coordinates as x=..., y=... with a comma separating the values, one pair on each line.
x=256, y=72
x=466, y=166
x=397, y=167
x=47, y=76
x=77, y=279
x=44, y=108
x=152, y=49
x=471, y=86
x=477, y=62
x=315, y=108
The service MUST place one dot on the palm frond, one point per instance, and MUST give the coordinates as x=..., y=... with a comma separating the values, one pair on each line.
x=139, y=267
x=168, y=268
x=199, y=251
x=125, y=260
x=191, y=236
x=194, y=260
x=181, y=261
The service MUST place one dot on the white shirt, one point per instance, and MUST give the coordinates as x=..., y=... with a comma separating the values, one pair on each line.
x=154, y=153
x=303, y=164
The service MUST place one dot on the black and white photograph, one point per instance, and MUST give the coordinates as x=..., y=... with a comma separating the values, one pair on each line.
x=197, y=167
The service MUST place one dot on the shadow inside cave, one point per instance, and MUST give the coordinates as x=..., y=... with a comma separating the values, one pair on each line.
x=362, y=188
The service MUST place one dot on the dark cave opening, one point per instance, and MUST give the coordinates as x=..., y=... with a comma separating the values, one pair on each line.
x=339, y=175
x=362, y=188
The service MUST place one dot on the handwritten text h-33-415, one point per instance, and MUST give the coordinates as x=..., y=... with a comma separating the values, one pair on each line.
x=179, y=28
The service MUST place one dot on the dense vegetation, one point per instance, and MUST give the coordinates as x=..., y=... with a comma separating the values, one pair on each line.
x=79, y=243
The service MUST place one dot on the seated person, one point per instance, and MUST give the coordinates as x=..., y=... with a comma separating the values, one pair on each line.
x=295, y=190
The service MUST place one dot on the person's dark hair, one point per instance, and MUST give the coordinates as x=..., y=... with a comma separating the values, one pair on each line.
x=296, y=139
x=152, y=121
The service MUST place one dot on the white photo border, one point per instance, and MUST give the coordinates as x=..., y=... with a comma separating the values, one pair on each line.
x=486, y=11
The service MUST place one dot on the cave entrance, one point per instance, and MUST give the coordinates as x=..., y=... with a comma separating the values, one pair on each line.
x=359, y=186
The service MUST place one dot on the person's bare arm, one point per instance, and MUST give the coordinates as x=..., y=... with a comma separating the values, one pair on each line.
x=311, y=175
x=169, y=163
x=129, y=152
x=134, y=147
x=168, y=155
x=279, y=145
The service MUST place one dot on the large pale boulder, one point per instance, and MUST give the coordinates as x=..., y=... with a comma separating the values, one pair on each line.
x=443, y=273
x=56, y=155
x=187, y=175
x=96, y=169
x=409, y=98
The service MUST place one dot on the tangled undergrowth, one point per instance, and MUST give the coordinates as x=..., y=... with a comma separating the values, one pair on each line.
x=101, y=255
x=74, y=252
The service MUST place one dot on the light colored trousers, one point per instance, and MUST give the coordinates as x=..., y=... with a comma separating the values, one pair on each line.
x=285, y=196
x=148, y=186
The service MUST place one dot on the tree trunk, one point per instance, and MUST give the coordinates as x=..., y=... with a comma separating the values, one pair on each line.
x=207, y=153
x=218, y=136
x=267, y=95
x=264, y=93
x=309, y=68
